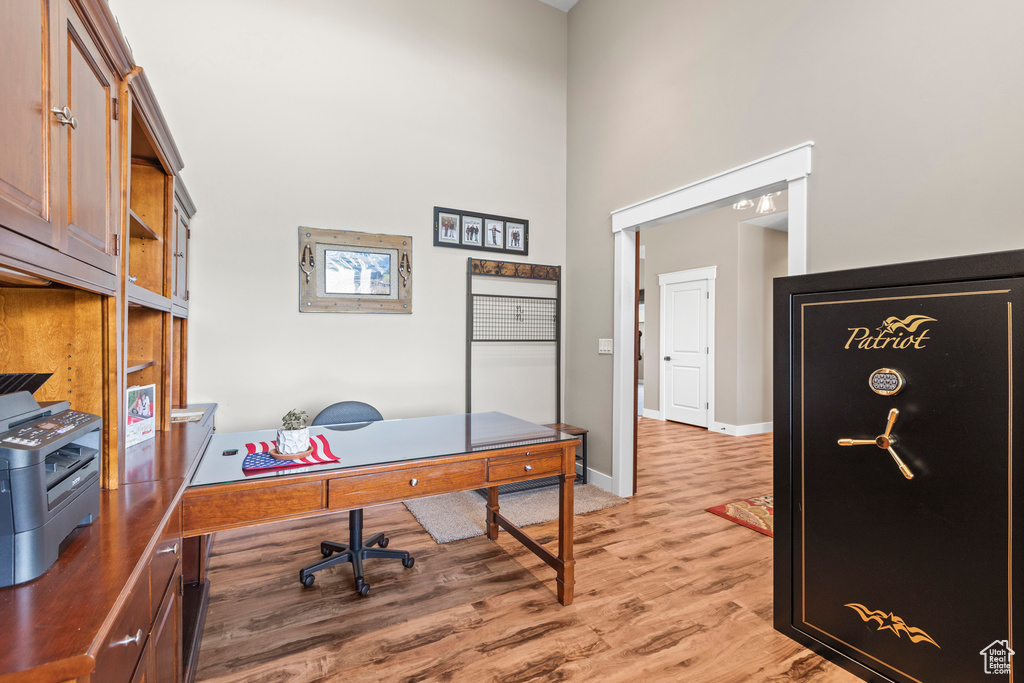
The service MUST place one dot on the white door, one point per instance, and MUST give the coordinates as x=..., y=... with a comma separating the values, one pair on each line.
x=685, y=352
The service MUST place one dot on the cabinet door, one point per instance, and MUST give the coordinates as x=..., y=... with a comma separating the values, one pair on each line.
x=180, y=282
x=165, y=638
x=26, y=165
x=89, y=152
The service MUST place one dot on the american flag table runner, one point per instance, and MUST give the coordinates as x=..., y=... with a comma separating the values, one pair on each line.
x=257, y=456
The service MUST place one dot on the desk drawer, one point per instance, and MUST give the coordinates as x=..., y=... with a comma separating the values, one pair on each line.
x=209, y=511
x=165, y=560
x=119, y=654
x=354, y=492
x=523, y=467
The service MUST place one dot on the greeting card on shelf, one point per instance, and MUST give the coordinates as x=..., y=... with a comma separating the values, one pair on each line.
x=141, y=414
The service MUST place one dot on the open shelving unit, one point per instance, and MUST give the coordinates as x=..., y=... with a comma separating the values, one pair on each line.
x=154, y=327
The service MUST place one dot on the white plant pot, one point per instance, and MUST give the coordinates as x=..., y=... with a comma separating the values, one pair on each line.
x=290, y=441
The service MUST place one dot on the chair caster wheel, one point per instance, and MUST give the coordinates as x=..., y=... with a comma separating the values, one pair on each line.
x=409, y=563
x=364, y=590
x=384, y=542
x=307, y=581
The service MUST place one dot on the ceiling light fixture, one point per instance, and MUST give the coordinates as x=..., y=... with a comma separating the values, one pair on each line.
x=743, y=204
x=766, y=204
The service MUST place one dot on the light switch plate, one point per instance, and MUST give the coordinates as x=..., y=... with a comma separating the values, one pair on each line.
x=604, y=346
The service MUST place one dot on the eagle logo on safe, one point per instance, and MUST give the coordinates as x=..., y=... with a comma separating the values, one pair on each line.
x=888, y=620
x=891, y=334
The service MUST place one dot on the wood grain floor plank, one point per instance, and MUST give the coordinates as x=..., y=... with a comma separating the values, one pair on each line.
x=664, y=592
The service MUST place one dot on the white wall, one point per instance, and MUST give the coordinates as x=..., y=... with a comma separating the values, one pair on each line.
x=355, y=115
x=914, y=107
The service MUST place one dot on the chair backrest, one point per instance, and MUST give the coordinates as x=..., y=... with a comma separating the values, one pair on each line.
x=346, y=412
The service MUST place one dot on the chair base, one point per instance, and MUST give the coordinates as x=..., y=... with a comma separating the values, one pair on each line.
x=355, y=551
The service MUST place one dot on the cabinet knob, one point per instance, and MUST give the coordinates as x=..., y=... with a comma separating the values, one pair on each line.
x=128, y=640
x=64, y=117
x=414, y=482
x=529, y=468
x=172, y=549
x=668, y=357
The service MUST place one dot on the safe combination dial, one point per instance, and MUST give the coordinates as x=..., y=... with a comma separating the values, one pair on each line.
x=885, y=441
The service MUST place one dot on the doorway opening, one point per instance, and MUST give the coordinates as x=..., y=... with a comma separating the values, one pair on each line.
x=785, y=170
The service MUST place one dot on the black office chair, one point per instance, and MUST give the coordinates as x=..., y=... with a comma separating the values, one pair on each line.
x=356, y=550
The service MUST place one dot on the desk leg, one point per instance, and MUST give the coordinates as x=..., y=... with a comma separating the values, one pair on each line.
x=492, y=510
x=566, y=581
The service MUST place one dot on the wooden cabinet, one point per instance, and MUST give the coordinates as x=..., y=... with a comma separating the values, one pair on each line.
x=165, y=652
x=184, y=209
x=124, y=647
x=145, y=641
x=25, y=121
x=94, y=227
x=88, y=146
x=61, y=190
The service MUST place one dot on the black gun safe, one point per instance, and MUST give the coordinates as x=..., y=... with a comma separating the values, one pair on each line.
x=898, y=420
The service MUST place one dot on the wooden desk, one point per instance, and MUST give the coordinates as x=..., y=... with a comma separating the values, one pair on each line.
x=390, y=461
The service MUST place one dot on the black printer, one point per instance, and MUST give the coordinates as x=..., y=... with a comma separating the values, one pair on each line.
x=49, y=481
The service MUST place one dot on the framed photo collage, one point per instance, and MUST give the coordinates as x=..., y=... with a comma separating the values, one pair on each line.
x=482, y=231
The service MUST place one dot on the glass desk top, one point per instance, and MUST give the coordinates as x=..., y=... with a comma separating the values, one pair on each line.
x=373, y=443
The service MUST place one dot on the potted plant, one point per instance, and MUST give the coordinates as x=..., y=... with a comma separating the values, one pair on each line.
x=293, y=437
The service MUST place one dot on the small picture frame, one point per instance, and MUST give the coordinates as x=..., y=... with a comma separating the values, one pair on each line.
x=515, y=237
x=494, y=234
x=461, y=229
x=472, y=230
x=448, y=227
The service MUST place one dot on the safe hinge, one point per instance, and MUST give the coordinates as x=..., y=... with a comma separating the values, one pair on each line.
x=115, y=109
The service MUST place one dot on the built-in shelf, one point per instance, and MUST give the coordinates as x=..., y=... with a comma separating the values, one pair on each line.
x=141, y=366
x=140, y=296
x=139, y=228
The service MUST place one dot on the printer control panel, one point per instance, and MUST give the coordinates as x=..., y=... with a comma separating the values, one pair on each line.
x=40, y=433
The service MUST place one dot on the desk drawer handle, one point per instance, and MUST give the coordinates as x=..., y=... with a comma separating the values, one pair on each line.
x=128, y=640
x=173, y=549
x=529, y=467
x=414, y=482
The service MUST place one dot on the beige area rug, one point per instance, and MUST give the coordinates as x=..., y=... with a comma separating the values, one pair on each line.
x=455, y=516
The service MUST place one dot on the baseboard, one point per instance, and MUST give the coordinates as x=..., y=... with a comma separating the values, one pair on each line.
x=653, y=414
x=600, y=480
x=740, y=430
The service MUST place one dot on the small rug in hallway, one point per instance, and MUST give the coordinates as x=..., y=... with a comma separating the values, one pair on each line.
x=754, y=513
x=455, y=516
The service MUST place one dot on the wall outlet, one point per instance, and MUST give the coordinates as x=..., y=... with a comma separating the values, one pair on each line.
x=604, y=346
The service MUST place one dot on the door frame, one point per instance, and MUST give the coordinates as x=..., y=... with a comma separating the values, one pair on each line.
x=785, y=170
x=708, y=274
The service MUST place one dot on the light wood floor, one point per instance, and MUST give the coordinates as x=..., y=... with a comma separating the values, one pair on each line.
x=664, y=592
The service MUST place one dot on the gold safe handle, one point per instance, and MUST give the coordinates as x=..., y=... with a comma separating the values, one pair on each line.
x=885, y=442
